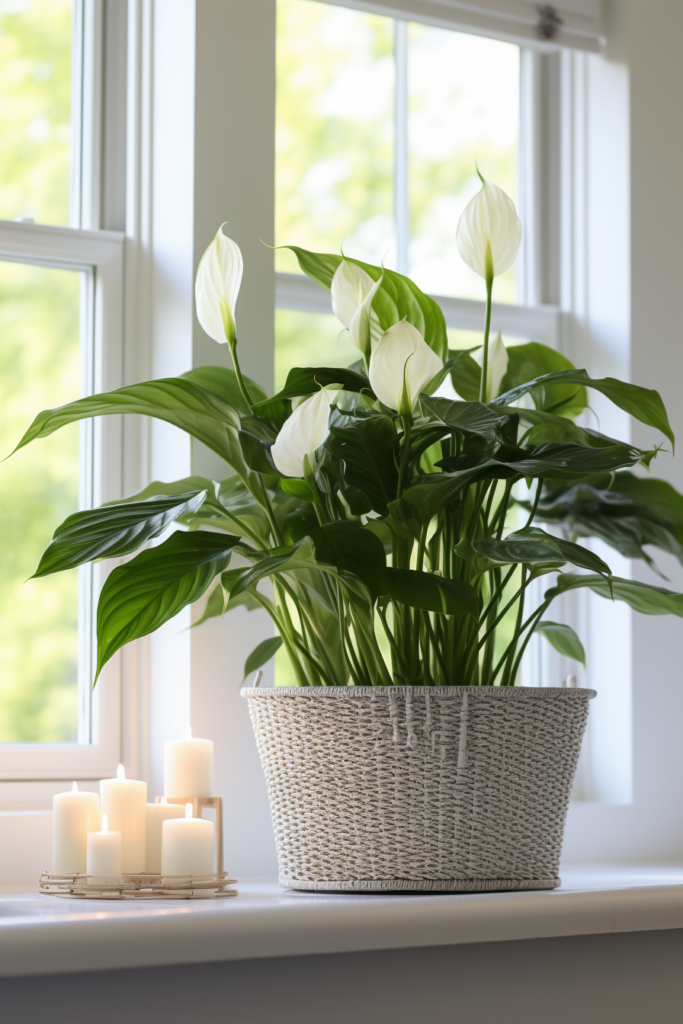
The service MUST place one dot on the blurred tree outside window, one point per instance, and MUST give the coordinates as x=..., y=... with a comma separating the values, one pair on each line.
x=35, y=109
x=40, y=367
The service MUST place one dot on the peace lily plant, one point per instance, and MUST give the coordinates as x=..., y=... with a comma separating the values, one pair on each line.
x=390, y=533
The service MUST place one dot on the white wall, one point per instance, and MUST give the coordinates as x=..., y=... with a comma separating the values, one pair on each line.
x=647, y=39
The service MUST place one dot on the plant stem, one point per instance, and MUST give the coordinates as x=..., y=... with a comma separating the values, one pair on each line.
x=405, y=452
x=535, y=504
x=244, y=391
x=505, y=681
x=275, y=529
x=487, y=329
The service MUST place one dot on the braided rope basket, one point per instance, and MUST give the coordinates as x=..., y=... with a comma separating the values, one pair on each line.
x=456, y=788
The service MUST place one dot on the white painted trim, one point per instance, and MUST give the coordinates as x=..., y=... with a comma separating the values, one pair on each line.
x=514, y=21
x=539, y=323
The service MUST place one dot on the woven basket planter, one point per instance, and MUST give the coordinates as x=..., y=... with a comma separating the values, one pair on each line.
x=456, y=788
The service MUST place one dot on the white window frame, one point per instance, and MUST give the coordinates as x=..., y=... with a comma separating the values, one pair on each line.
x=99, y=256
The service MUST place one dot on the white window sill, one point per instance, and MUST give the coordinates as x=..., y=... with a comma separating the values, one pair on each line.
x=48, y=935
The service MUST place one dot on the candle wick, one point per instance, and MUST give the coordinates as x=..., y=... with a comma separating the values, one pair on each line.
x=188, y=810
x=74, y=787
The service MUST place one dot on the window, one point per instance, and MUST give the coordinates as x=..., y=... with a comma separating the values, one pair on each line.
x=60, y=317
x=149, y=145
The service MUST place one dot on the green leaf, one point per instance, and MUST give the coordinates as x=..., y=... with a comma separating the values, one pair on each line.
x=257, y=454
x=465, y=374
x=297, y=488
x=266, y=650
x=563, y=639
x=307, y=380
x=532, y=545
x=159, y=487
x=113, y=530
x=223, y=382
x=396, y=298
x=467, y=417
x=352, y=548
x=626, y=511
x=431, y=593
x=556, y=461
x=642, y=403
x=532, y=360
x=366, y=449
x=300, y=555
x=186, y=405
x=640, y=596
x=146, y=592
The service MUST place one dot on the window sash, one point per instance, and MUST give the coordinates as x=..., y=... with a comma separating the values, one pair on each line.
x=100, y=254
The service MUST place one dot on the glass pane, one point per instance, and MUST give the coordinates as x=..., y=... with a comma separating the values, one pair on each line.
x=309, y=339
x=334, y=131
x=35, y=109
x=39, y=369
x=463, y=102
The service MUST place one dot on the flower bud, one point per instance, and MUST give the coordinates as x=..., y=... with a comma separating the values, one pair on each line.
x=217, y=286
x=352, y=291
x=496, y=369
x=302, y=433
x=401, y=366
x=489, y=232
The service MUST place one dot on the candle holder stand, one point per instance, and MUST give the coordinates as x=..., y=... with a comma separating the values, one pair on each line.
x=148, y=886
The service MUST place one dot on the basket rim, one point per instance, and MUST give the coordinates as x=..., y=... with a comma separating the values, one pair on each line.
x=359, y=692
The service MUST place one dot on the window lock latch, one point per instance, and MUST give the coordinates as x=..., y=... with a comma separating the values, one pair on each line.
x=549, y=22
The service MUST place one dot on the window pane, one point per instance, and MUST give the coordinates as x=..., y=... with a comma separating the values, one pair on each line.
x=35, y=109
x=334, y=131
x=463, y=102
x=309, y=339
x=39, y=369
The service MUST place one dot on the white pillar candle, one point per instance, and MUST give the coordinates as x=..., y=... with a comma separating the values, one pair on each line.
x=188, y=768
x=157, y=814
x=187, y=845
x=74, y=814
x=104, y=851
x=124, y=801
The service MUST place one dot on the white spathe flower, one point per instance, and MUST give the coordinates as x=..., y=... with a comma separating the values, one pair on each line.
x=401, y=366
x=352, y=291
x=496, y=367
x=302, y=433
x=489, y=232
x=219, y=276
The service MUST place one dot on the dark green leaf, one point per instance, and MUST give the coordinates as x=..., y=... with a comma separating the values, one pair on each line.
x=141, y=595
x=430, y=592
x=467, y=417
x=257, y=454
x=531, y=360
x=396, y=299
x=307, y=380
x=640, y=596
x=266, y=650
x=532, y=545
x=366, y=449
x=113, y=530
x=352, y=548
x=642, y=403
x=563, y=639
